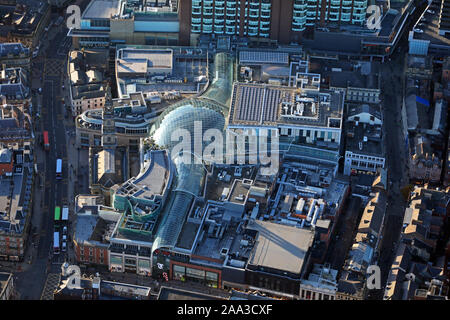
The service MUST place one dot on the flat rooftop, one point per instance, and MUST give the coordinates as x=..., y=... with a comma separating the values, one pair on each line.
x=263, y=57
x=187, y=235
x=220, y=231
x=184, y=69
x=14, y=201
x=152, y=181
x=129, y=289
x=166, y=293
x=266, y=105
x=142, y=60
x=364, y=139
x=280, y=247
x=95, y=223
x=435, y=26
x=343, y=74
x=101, y=9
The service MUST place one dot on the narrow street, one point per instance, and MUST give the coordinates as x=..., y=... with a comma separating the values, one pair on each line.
x=392, y=74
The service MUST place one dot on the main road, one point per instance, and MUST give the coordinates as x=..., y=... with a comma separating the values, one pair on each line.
x=30, y=282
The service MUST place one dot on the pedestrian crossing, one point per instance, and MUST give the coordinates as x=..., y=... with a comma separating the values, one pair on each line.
x=53, y=67
x=51, y=284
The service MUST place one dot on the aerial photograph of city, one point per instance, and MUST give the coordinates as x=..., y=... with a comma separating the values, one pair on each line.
x=251, y=153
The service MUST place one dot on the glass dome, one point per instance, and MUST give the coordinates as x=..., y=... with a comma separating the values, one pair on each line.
x=210, y=109
x=184, y=116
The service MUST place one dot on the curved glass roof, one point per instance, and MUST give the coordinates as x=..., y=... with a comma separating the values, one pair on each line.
x=220, y=89
x=210, y=109
x=184, y=117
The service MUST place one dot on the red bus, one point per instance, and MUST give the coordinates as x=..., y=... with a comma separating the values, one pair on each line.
x=46, y=143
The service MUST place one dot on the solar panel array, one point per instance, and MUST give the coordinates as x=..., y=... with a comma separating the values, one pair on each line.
x=257, y=104
x=267, y=57
x=249, y=103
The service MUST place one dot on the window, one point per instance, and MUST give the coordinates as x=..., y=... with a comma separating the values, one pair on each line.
x=195, y=273
x=179, y=272
x=212, y=279
x=308, y=295
x=130, y=261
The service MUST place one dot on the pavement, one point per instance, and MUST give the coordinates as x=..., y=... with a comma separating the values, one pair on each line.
x=342, y=241
x=47, y=73
x=393, y=81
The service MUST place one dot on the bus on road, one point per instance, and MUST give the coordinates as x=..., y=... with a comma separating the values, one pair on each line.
x=57, y=214
x=56, y=242
x=65, y=213
x=46, y=142
x=58, y=168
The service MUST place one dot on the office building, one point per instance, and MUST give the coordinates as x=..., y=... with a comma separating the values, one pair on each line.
x=162, y=74
x=279, y=20
x=430, y=33
x=15, y=203
x=132, y=22
x=364, y=139
x=93, y=227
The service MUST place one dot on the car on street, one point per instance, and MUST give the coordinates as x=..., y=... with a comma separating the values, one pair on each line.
x=64, y=246
x=418, y=30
